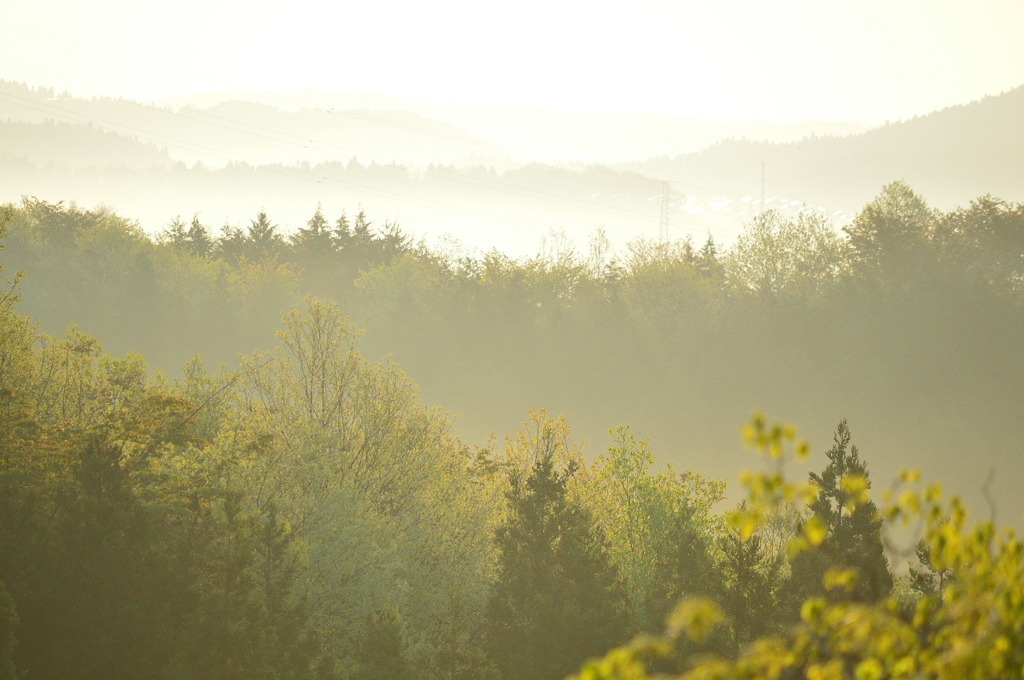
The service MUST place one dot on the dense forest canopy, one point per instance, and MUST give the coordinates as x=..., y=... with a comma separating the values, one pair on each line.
x=900, y=319
x=271, y=498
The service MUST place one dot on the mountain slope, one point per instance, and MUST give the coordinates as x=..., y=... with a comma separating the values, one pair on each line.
x=77, y=146
x=254, y=133
x=546, y=135
x=950, y=156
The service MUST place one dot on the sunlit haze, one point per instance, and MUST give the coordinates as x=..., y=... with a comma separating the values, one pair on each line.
x=467, y=340
x=859, y=60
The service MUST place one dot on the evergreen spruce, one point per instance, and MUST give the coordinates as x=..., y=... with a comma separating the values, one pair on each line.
x=928, y=580
x=854, y=539
x=748, y=591
x=557, y=601
x=315, y=240
x=263, y=239
x=198, y=238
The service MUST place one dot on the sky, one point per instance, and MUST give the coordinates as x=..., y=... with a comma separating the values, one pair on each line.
x=869, y=61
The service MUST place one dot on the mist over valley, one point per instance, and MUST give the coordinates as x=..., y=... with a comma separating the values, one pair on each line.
x=482, y=342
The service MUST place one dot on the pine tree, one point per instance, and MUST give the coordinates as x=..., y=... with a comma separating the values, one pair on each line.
x=198, y=238
x=708, y=261
x=232, y=244
x=342, y=232
x=290, y=647
x=748, y=596
x=928, y=580
x=392, y=241
x=174, y=234
x=262, y=238
x=688, y=568
x=557, y=600
x=853, y=540
x=315, y=239
x=361, y=230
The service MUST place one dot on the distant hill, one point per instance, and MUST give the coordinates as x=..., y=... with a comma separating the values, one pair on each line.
x=448, y=168
x=541, y=135
x=950, y=156
x=429, y=166
x=255, y=133
x=77, y=146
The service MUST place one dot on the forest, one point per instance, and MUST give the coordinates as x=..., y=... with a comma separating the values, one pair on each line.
x=216, y=460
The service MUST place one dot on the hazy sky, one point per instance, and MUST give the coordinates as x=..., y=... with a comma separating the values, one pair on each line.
x=866, y=60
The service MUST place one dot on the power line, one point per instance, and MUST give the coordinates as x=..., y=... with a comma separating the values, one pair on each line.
x=223, y=122
x=117, y=127
x=287, y=138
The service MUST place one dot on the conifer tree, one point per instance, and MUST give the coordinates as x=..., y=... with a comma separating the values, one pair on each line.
x=928, y=580
x=198, y=238
x=708, y=261
x=688, y=567
x=342, y=232
x=748, y=596
x=174, y=234
x=232, y=244
x=853, y=531
x=263, y=240
x=315, y=239
x=557, y=600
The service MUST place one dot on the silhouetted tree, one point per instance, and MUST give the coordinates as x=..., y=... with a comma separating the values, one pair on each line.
x=926, y=579
x=890, y=235
x=748, y=574
x=314, y=241
x=689, y=569
x=262, y=238
x=232, y=244
x=985, y=242
x=198, y=238
x=853, y=527
x=708, y=261
x=342, y=232
x=175, y=233
x=557, y=600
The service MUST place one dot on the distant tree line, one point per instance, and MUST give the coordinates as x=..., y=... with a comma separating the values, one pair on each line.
x=904, y=315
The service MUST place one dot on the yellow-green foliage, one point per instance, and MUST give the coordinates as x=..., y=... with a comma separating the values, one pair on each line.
x=973, y=629
x=645, y=516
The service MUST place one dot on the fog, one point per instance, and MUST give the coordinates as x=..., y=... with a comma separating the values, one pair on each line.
x=465, y=343
x=467, y=185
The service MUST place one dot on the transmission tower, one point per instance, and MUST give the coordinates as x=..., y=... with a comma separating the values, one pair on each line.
x=762, y=187
x=666, y=190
